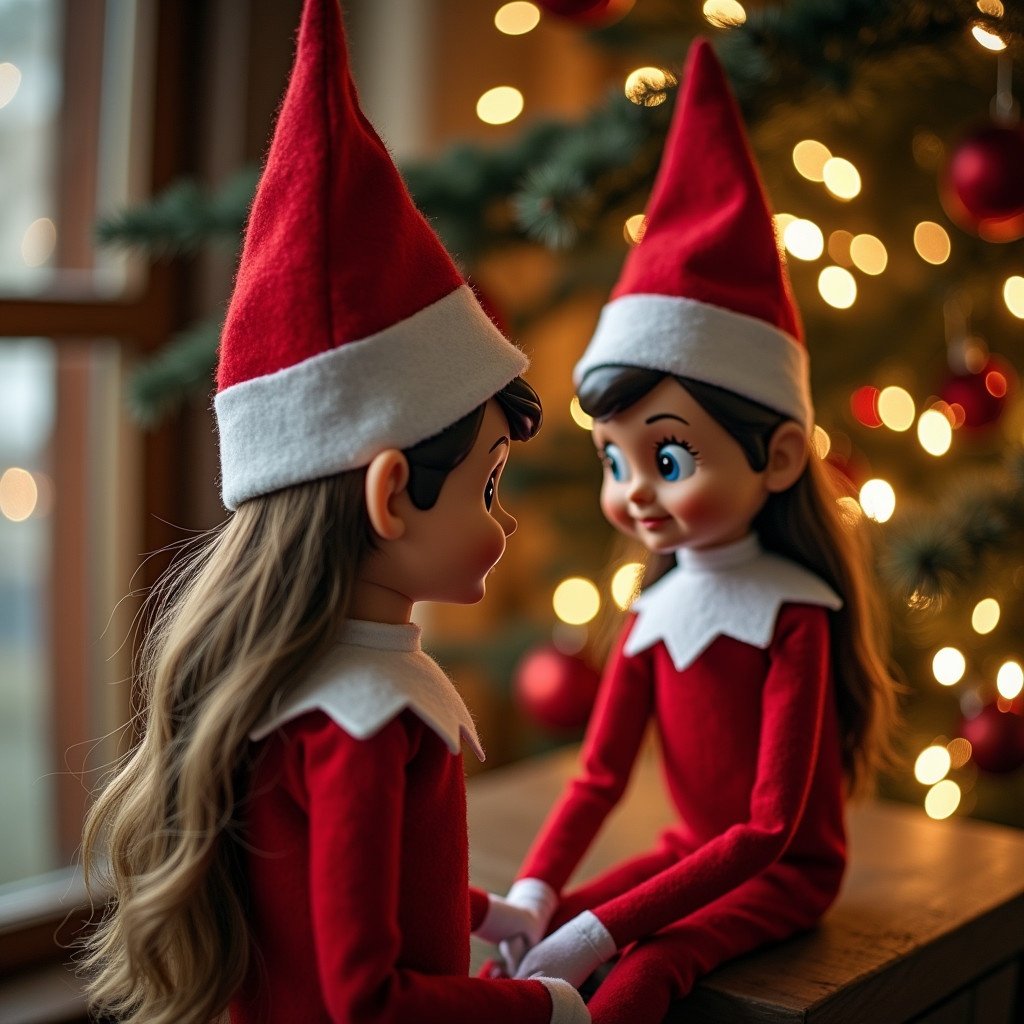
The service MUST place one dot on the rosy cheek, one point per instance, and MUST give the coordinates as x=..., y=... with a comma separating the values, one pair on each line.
x=613, y=505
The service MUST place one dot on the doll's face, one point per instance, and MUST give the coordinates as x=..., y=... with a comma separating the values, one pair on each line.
x=673, y=477
x=449, y=549
x=442, y=553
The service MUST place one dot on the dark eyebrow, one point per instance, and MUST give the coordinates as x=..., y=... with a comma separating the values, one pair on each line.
x=666, y=416
x=501, y=440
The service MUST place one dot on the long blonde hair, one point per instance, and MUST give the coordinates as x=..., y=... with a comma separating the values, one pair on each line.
x=235, y=623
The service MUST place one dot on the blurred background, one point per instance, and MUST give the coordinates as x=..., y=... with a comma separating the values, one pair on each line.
x=131, y=133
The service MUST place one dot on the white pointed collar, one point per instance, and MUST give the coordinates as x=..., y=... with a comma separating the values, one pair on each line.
x=734, y=590
x=372, y=673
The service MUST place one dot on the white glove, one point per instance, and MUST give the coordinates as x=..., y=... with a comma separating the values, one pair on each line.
x=539, y=900
x=572, y=952
x=504, y=920
x=567, y=1006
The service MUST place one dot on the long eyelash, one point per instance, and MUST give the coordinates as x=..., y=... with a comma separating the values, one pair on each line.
x=672, y=439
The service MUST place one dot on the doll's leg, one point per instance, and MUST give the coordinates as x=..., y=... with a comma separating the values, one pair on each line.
x=613, y=882
x=653, y=972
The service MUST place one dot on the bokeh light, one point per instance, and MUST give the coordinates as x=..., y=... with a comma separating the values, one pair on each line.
x=634, y=228
x=931, y=242
x=579, y=417
x=821, y=442
x=839, y=247
x=576, y=600
x=868, y=254
x=985, y=616
x=500, y=105
x=626, y=584
x=1013, y=295
x=988, y=39
x=948, y=666
x=896, y=408
x=864, y=406
x=1010, y=679
x=942, y=799
x=10, y=80
x=38, y=242
x=932, y=764
x=837, y=287
x=841, y=178
x=878, y=500
x=18, y=494
x=724, y=13
x=516, y=19
x=810, y=157
x=935, y=432
x=960, y=750
x=803, y=239
x=648, y=86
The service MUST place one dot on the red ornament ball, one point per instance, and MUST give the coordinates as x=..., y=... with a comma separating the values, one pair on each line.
x=587, y=12
x=977, y=400
x=556, y=690
x=996, y=737
x=983, y=186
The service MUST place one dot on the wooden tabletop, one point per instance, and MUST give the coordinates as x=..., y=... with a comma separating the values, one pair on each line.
x=928, y=907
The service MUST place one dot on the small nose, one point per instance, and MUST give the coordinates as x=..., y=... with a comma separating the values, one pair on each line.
x=505, y=521
x=640, y=490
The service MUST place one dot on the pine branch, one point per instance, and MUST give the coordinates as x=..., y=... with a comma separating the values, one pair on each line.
x=183, y=218
x=181, y=370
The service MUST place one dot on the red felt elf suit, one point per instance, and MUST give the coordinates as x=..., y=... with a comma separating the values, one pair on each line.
x=729, y=652
x=351, y=334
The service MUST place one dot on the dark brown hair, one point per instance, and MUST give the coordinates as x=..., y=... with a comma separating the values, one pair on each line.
x=803, y=524
x=432, y=460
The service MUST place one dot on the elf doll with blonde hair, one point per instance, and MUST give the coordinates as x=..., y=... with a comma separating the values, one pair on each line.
x=287, y=843
x=753, y=647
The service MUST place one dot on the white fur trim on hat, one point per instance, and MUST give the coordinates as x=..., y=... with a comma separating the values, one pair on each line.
x=708, y=343
x=335, y=411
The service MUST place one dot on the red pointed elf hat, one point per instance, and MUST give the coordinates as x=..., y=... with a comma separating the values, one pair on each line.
x=705, y=294
x=350, y=330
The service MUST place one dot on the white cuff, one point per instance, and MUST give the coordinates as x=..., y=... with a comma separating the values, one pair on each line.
x=502, y=920
x=594, y=932
x=567, y=1006
x=535, y=895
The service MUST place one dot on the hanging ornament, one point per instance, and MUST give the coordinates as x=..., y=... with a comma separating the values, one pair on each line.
x=976, y=389
x=982, y=189
x=556, y=690
x=977, y=399
x=996, y=737
x=592, y=13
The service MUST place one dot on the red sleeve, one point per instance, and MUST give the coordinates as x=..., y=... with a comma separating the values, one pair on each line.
x=616, y=728
x=479, y=904
x=355, y=791
x=794, y=702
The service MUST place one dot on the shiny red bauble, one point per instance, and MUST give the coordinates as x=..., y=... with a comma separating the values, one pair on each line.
x=996, y=737
x=982, y=189
x=978, y=399
x=587, y=12
x=556, y=690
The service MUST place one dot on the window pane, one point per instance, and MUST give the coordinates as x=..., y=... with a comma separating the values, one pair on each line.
x=69, y=90
x=65, y=534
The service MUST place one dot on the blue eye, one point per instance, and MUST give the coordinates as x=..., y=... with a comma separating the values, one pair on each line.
x=616, y=462
x=675, y=462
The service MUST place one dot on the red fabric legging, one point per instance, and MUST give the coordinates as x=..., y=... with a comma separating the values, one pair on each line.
x=654, y=971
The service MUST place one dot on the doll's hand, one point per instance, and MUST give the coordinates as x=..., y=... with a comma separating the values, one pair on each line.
x=518, y=921
x=572, y=952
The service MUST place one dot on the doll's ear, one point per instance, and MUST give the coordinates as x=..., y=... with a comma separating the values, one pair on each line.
x=387, y=476
x=788, y=452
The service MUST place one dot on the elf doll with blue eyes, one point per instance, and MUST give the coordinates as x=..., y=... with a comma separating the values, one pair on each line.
x=753, y=647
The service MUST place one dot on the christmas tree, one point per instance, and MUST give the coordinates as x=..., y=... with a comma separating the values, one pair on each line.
x=888, y=136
